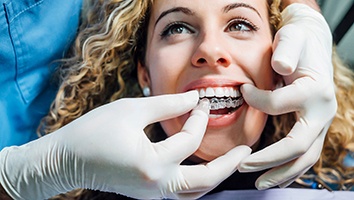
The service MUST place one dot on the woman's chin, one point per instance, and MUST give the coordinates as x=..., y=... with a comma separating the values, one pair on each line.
x=210, y=152
x=212, y=149
x=200, y=156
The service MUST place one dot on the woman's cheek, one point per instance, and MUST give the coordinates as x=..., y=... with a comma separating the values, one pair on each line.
x=260, y=69
x=255, y=121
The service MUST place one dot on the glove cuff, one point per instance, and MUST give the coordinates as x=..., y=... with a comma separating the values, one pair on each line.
x=32, y=171
x=4, y=179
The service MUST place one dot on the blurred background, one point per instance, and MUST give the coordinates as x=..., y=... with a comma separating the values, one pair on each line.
x=340, y=17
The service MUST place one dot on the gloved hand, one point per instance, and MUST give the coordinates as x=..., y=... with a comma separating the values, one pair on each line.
x=107, y=150
x=302, y=54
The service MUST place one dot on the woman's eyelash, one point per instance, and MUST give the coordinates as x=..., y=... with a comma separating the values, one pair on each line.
x=238, y=21
x=167, y=30
x=245, y=21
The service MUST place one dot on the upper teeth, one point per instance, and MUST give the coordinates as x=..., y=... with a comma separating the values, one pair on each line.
x=219, y=92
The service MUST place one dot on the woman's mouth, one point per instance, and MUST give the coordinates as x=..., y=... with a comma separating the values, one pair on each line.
x=223, y=100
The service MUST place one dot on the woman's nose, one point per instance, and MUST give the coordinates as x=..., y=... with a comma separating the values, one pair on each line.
x=211, y=52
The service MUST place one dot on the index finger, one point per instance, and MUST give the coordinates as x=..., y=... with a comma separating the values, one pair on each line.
x=148, y=110
x=204, y=177
x=284, y=174
x=298, y=141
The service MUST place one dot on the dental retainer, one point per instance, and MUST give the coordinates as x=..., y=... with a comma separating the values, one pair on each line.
x=221, y=103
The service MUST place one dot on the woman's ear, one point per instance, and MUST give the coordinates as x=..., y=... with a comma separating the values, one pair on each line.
x=143, y=76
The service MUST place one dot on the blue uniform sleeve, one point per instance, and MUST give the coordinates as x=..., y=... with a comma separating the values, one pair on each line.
x=33, y=35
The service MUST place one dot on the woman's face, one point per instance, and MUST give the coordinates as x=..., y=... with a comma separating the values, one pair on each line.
x=213, y=47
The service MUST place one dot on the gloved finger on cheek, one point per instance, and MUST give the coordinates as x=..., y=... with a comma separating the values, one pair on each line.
x=287, y=50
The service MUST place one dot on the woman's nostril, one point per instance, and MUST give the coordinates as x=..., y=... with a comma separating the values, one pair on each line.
x=222, y=60
x=201, y=61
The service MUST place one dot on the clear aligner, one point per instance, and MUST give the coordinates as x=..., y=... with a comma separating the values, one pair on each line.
x=220, y=103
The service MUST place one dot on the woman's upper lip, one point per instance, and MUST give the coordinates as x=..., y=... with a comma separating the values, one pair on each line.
x=211, y=82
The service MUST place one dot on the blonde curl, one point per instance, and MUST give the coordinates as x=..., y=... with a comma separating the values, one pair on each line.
x=102, y=68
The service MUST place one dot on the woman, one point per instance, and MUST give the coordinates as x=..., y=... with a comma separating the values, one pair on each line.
x=219, y=65
x=181, y=46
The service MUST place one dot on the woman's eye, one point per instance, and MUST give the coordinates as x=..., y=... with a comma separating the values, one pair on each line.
x=241, y=25
x=178, y=29
x=174, y=29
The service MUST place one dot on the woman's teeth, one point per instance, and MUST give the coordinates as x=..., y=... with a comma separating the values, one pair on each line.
x=222, y=97
x=219, y=92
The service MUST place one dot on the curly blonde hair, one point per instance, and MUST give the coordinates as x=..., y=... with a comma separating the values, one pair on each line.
x=102, y=68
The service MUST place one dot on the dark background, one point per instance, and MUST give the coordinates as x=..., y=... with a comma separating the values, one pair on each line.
x=340, y=17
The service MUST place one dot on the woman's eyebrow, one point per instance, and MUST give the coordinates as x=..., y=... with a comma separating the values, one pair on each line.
x=175, y=9
x=237, y=5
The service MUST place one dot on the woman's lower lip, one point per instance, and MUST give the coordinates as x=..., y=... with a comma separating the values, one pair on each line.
x=225, y=120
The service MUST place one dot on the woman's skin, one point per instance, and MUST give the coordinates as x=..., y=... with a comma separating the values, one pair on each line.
x=214, y=48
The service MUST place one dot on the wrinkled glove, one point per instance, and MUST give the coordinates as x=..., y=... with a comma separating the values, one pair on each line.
x=302, y=54
x=107, y=150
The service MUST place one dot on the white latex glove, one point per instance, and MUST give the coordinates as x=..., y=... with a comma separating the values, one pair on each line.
x=302, y=54
x=107, y=150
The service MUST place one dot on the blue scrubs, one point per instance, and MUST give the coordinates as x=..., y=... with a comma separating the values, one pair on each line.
x=33, y=34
